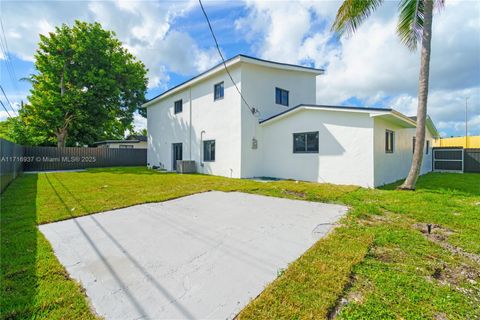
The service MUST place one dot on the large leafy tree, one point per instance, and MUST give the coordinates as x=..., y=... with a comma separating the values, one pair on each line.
x=87, y=87
x=14, y=130
x=414, y=26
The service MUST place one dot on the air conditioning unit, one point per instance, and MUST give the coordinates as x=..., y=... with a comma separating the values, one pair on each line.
x=186, y=166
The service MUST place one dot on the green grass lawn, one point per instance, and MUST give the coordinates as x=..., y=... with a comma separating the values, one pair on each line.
x=378, y=263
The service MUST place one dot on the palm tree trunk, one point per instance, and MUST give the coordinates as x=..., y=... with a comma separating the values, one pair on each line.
x=411, y=180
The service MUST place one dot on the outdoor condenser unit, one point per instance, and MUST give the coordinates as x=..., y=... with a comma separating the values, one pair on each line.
x=186, y=166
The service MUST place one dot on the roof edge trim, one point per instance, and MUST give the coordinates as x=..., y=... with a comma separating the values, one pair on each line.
x=230, y=62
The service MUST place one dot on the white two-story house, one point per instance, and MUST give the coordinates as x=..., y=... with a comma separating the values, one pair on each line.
x=277, y=129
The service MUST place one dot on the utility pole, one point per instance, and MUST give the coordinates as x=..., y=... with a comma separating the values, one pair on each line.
x=466, y=122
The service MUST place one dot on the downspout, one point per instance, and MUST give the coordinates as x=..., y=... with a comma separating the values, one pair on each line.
x=201, y=148
x=190, y=129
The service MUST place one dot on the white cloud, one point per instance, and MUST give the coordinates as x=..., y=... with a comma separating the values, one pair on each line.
x=139, y=122
x=278, y=29
x=447, y=109
x=372, y=65
x=144, y=27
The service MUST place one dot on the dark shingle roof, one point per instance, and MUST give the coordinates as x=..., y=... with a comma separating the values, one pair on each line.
x=137, y=137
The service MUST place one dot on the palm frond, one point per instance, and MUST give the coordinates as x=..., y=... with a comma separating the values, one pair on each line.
x=410, y=21
x=352, y=13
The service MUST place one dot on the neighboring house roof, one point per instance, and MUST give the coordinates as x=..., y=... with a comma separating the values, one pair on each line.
x=392, y=114
x=97, y=143
x=130, y=139
x=137, y=137
x=241, y=58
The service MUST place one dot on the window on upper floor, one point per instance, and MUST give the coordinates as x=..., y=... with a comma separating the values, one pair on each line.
x=281, y=97
x=389, y=141
x=178, y=106
x=218, y=91
x=209, y=150
x=305, y=142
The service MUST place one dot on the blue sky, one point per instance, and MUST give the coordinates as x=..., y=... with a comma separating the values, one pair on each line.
x=371, y=68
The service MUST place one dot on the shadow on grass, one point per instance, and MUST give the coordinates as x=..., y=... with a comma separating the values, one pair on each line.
x=18, y=248
x=123, y=170
x=469, y=183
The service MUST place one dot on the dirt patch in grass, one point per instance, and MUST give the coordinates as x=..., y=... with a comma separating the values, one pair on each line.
x=439, y=235
x=347, y=297
x=456, y=275
x=384, y=217
x=387, y=255
x=297, y=194
x=464, y=276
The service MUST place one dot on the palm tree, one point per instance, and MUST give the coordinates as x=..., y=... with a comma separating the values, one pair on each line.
x=414, y=25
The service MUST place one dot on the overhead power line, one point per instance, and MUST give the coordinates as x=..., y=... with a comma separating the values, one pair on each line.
x=252, y=110
x=8, y=58
x=5, y=95
x=6, y=110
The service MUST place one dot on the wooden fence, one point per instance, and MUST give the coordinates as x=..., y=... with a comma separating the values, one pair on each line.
x=69, y=158
x=15, y=158
x=10, y=162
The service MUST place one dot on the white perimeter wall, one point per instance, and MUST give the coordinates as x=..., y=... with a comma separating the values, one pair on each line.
x=219, y=119
x=136, y=145
x=258, y=87
x=390, y=167
x=345, y=148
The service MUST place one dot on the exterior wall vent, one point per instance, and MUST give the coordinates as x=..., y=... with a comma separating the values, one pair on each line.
x=254, y=143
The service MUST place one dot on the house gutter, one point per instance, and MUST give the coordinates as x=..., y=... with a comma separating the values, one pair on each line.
x=190, y=122
x=201, y=148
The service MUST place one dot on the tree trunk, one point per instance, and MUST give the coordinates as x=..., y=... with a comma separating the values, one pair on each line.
x=61, y=137
x=62, y=133
x=411, y=180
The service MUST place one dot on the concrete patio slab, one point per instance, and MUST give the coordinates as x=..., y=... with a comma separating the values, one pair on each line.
x=203, y=256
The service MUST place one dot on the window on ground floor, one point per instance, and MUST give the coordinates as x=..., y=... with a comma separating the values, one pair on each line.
x=209, y=150
x=413, y=144
x=305, y=142
x=427, y=147
x=389, y=141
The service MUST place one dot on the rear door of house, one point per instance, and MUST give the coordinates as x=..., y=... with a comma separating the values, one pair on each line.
x=177, y=154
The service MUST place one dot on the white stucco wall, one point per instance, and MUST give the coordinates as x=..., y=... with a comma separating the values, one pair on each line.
x=345, y=148
x=390, y=167
x=351, y=149
x=219, y=119
x=258, y=87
